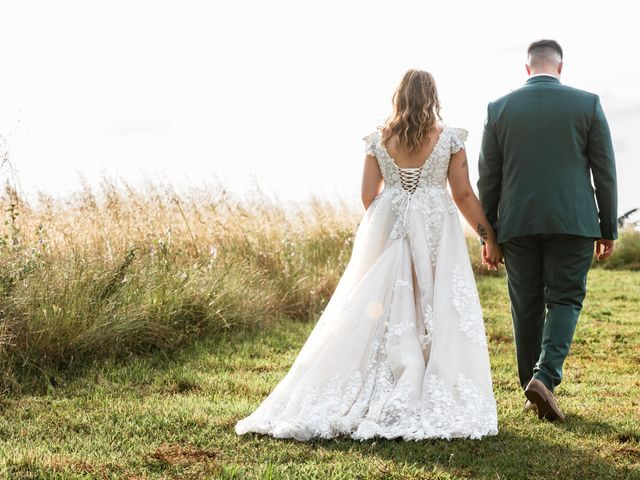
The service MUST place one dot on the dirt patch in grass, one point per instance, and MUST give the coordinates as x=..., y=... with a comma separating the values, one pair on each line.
x=183, y=454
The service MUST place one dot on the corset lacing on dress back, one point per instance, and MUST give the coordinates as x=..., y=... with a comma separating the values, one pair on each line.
x=409, y=177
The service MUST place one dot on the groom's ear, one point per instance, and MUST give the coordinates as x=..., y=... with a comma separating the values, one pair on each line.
x=526, y=65
x=560, y=68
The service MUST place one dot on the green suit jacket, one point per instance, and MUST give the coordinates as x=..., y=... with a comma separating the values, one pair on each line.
x=540, y=146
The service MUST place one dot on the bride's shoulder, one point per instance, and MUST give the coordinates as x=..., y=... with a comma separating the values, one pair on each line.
x=457, y=132
x=370, y=137
x=373, y=136
x=457, y=137
x=371, y=143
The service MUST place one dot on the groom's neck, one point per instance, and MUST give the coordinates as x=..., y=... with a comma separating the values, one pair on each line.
x=546, y=71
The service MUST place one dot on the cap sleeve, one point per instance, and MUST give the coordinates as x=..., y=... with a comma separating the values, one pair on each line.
x=370, y=143
x=458, y=137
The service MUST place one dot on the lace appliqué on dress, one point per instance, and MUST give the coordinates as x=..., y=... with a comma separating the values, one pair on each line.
x=388, y=169
x=465, y=299
x=462, y=411
x=427, y=318
x=370, y=143
x=407, y=323
x=458, y=137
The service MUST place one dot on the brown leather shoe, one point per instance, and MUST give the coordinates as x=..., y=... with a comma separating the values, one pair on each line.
x=546, y=402
x=529, y=405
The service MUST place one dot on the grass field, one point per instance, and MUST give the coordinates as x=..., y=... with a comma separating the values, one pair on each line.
x=158, y=416
x=137, y=325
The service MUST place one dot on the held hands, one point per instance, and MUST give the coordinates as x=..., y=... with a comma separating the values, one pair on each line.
x=492, y=255
x=604, y=248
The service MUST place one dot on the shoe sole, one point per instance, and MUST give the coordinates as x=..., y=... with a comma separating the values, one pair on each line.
x=544, y=409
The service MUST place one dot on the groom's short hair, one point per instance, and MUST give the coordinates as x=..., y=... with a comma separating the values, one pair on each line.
x=544, y=51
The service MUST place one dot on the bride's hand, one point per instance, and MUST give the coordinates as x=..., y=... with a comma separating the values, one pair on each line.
x=492, y=255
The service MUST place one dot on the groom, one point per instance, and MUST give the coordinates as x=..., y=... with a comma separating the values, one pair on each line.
x=540, y=146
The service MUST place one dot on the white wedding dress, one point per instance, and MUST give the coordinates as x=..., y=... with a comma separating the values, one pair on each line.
x=400, y=349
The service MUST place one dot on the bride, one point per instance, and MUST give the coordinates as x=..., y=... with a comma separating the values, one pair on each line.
x=400, y=349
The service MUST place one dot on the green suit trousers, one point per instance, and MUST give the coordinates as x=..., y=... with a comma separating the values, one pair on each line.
x=547, y=278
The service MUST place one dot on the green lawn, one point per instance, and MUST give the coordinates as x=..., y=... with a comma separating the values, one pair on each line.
x=159, y=417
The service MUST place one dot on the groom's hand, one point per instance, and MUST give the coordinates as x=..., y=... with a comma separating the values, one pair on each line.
x=491, y=259
x=485, y=258
x=604, y=248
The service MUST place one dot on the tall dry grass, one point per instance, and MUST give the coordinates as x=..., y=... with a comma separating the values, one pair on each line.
x=119, y=270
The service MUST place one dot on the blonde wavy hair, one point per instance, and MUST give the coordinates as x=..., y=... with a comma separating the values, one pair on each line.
x=416, y=110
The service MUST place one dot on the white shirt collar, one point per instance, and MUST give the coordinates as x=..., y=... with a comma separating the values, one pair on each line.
x=547, y=74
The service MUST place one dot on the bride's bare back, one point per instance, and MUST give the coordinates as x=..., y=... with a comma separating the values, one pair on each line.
x=415, y=159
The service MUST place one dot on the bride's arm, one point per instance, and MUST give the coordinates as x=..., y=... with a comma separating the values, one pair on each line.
x=469, y=205
x=371, y=180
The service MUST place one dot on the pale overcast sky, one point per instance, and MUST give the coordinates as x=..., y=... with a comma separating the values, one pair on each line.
x=279, y=94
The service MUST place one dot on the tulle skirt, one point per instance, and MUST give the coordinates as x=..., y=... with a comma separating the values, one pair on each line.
x=400, y=349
